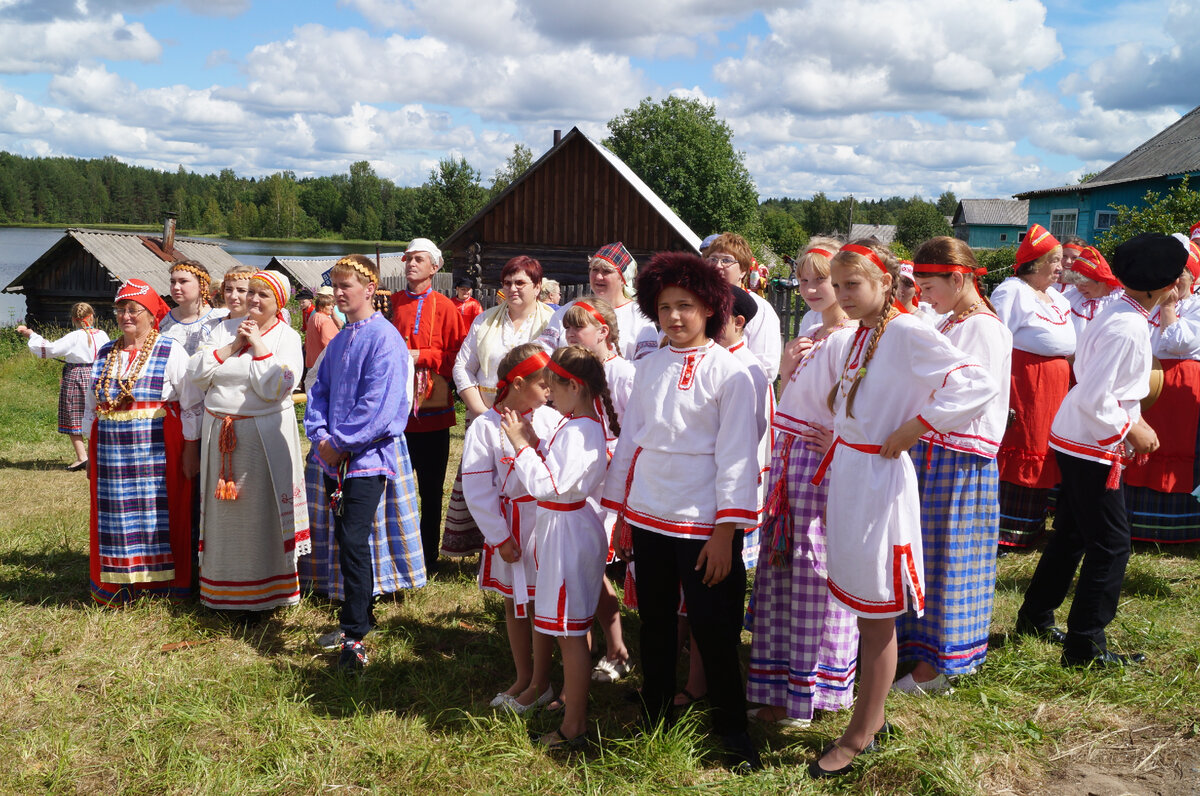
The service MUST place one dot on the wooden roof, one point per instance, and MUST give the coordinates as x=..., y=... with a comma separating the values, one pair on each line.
x=577, y=195
x=307, y=271
x=129, y=255
x=884, y=233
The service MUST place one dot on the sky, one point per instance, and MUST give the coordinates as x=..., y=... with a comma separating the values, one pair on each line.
x=875, y=99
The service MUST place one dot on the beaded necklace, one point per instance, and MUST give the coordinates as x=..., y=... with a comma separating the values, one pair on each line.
x=960, y=317
x=817, y=343
x=105, y=403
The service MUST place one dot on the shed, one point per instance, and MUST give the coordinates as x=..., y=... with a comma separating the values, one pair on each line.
x=307, y=271
x=575, y=198
x=884, y=233
x=90, y=265
x=1087, y=209
x=991, y=223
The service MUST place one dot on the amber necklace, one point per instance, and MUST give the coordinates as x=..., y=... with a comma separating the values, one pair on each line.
x=105, y=403
x=960, y=317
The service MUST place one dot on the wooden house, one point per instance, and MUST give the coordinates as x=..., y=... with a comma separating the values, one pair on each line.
x=884, y=233
x=570, y=202
x=308, y=271
x=991, y=223
x=90, y=265
x=1087, y=209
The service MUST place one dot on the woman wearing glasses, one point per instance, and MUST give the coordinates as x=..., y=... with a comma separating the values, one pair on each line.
x=143, y=419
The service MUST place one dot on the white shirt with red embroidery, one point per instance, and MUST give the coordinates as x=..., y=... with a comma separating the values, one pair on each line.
x=801, y=405
x=984, y=338
x=1037, y=327
x=1112, y=374
x=687, y=457
x=1180, y=340
x=619, y=373
x=1083, y=309
x=76, y=348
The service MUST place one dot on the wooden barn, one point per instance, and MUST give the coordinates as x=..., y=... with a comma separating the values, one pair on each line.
x=90, y=265
x=308, y=271
x=570, y=202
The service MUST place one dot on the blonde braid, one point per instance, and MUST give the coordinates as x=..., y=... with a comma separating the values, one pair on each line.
x=861, y=373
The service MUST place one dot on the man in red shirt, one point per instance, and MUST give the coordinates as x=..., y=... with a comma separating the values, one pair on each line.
x=432, y=326
x=467, y=304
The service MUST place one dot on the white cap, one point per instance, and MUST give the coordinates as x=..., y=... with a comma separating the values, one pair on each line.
x=906, y=269
x=425, y=245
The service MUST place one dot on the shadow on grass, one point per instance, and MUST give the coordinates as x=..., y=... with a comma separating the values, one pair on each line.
x=35, y=464
x=46, y=577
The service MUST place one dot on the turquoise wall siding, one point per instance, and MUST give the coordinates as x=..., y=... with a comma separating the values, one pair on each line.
x=1089, y=203
x=988, y=237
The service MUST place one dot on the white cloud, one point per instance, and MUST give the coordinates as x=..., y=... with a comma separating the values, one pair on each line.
x=1097, y=134
x=54, y=45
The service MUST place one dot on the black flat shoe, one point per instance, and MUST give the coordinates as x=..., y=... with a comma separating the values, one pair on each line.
x=741, y=756
x=1053, y=635
x=816, y=772
x=1103, y=660
x=77, y=466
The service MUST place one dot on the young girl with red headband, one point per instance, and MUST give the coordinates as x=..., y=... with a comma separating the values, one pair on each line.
x=897, y=379
x=959, y=485
x=565, y=474
x=592, y=323
x=505, y=511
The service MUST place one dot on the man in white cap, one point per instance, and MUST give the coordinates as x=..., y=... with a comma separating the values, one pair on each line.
x=432, y=327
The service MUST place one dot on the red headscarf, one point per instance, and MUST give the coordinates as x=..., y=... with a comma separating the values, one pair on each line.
x=1091, y=263
x=1037, y=242
x=142, y=293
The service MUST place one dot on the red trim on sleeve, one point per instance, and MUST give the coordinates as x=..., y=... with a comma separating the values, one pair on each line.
x=925, y=423
x=218, y=357
x=736, y=514
x=1118, y=437
x=264, y=356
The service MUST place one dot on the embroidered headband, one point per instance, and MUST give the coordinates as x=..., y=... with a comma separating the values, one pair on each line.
x=362, y=269
x=863, y=251
x=521, y=370
x=204, y=278
x=562, y=372
x=583, y=305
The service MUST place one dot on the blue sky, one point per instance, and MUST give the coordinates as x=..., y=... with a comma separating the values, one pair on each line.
x=877, y=98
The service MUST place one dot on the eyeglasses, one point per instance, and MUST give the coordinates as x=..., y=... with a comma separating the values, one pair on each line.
x=513, y=284
x=132, y=313
x=602, y=269
x=721, y=259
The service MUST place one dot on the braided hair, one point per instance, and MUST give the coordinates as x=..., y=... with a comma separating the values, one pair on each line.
x=869, y=270
x=582, y=363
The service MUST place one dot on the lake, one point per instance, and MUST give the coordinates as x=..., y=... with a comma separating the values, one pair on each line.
x=20, y=246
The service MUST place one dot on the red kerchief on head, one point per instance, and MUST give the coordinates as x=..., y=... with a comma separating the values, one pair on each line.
x=617, y=255
x=1091, y=263
x=1194, y=232
x=1038, y=241
x=1193, y=261
x=142, y=293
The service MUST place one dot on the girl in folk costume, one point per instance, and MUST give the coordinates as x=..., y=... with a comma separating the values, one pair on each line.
x=569, y=542
x=611, y=271
x=1039, y=319
x=253, y=513
x=520, y=318
x=144, y=419
x=684, y=481
x=78, y=351
x=1098, y=427
x=1089, y=285
x=898, y=379
x=505, y=513
x=804, y=643
x=192, y=320
x=1158, y=491
x=591, y=323
x=958, y=483
x=234, y=288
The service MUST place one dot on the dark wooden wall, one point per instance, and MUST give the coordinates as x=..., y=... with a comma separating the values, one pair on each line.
x=73, y=275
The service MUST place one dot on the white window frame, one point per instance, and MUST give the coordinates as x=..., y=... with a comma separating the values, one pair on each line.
x=1067, y=216
x=1113, y=219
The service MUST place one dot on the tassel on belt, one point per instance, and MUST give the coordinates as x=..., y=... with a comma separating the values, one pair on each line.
x=227, y=488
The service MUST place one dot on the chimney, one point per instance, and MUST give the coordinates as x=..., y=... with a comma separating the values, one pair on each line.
x=557, y=137
x=168, y=240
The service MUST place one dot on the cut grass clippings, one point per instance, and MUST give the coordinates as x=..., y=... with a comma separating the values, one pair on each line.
x=157, y=698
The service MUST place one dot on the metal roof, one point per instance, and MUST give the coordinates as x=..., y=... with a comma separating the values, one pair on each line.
x=1174, y=151
x=306, y=271
x=884, y=233
x=125, y=256
x=996, y=212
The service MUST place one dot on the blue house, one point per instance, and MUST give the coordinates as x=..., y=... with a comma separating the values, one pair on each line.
x=990, y=223
x=1158, y=165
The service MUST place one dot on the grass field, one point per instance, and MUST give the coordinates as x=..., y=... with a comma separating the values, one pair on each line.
x=177, y=699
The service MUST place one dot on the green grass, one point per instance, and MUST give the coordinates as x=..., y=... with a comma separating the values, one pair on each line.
x=92, y=703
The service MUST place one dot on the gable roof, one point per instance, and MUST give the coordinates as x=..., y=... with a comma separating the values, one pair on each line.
x=884, y=233
x=568, y=193
x=992, y=212
x=307, y=271
x=1175, y=150
x=128, y=255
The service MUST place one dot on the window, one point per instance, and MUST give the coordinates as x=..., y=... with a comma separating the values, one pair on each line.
x=1063, y=222
x=1020, y=237
x=1105, y=219
x=1003, y=237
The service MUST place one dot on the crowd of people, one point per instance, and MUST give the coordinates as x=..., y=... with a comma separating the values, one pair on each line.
x=920, y=428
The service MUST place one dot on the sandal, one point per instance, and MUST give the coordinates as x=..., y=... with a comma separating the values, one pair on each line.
x=689, y=698
x=609, y=671
x=555, y=741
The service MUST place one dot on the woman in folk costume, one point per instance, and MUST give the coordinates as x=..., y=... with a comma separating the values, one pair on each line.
x=144, y=419
x=1089, y=285
x=253, y=514
x=1039, y=318
x=897, y=379
x=731, y=253
x=193, y=319
x=520, y=318
x=958, y=482
x=1158, y=491
x=611, y=271
x=804, y=644
x=78, y=351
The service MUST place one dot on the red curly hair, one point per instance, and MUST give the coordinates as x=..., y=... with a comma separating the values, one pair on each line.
x=687, y=271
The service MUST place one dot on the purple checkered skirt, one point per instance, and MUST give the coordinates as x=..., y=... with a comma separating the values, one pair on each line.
x=804, y=651
x=959, y=526
x=72, y=392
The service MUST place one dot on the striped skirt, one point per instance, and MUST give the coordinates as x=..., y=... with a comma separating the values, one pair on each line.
x=397, y=559
x=461, y=536
x=76, y=379
x=959, y=523
x=804, y=650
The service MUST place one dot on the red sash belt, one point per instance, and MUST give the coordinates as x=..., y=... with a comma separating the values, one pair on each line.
x=511, y=507
x=819, y=476
x=550, y=506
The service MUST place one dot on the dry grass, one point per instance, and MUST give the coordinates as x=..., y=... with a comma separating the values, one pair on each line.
x=92, y=703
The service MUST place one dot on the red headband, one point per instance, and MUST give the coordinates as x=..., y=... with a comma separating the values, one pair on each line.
x=950, y=268
x=824, y=252
x=1073, y=246
x=865, y=252
x=559, y=370
x=521, y=370
x=592, y=311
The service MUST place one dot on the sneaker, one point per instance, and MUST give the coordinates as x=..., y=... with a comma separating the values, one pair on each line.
x=907, y=685
x=353, y=657
x=609, y=671
x=331, y=640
